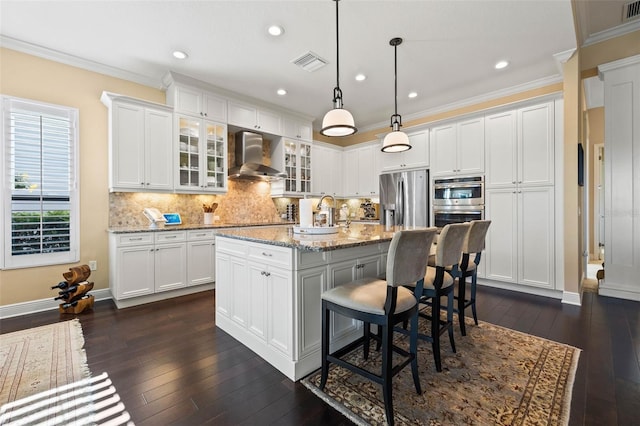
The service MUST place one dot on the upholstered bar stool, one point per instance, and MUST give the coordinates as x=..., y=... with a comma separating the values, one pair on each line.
x=438, y=282
x=471, y=252
x=384, y=303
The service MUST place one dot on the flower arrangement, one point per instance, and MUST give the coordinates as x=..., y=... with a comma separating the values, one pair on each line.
x=210, y=208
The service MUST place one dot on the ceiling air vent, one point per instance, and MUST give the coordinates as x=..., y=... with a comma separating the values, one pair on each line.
x=310, y=61
x=631, y=11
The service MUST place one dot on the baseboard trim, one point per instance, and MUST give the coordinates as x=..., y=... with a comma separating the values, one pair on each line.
x=33, y=306
x=520, y=288
x=571, y=298
x=618, y=294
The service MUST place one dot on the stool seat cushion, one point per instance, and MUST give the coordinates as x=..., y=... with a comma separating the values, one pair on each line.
x=368, y=295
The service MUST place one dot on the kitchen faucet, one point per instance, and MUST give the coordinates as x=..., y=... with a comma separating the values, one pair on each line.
x=322, y=199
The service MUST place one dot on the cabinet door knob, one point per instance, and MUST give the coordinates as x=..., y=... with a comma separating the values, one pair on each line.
x=267, y=254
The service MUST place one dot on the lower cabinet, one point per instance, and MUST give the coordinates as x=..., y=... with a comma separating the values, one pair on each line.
x=148, y=266
x=269, y=298
x=256, y=293
x=520, y=241
x=201, y=257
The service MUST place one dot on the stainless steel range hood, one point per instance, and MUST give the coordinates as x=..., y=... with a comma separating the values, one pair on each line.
x=249, y=159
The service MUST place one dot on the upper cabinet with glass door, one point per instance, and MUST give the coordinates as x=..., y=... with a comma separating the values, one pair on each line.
x=202, y=148
x=294, y=158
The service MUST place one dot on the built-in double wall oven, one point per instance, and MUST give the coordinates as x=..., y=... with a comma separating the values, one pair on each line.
x=458, y=199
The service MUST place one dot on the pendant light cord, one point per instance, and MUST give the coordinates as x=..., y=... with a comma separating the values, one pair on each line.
x=337, y=49
x=395, y=78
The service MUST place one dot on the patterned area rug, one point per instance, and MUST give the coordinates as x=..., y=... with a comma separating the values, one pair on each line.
x=41, y=358
x=497, y=377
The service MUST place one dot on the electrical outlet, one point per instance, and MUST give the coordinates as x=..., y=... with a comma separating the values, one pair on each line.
x=93, y=265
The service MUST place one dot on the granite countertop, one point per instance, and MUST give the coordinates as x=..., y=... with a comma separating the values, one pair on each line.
x=189, y=227
x=355, y=236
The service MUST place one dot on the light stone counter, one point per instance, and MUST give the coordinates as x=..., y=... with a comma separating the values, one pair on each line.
x=356, y=235
x=189, y=227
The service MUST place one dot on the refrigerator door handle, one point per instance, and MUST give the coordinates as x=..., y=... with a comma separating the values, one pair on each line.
x=401, y=203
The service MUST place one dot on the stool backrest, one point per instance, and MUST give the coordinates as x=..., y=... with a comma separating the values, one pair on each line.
x=474, y=242
x=407, y=256
x=449, y=248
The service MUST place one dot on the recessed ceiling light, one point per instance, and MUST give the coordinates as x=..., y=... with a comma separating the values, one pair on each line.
x=501, y=64
x=275, y=30
x=281, y=92
x=413, y=94
x=361, y=77
x=179, y=54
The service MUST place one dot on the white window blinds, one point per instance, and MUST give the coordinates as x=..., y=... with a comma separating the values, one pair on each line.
x=40, y=194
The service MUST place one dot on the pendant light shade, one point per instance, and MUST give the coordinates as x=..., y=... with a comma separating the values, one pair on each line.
x=338, y=121
x=396, y=140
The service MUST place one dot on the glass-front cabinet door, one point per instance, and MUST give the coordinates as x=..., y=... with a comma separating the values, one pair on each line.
x=305, y=167
x=189, y=153
x=202, y=155
x=297, y=165
x=216, y=156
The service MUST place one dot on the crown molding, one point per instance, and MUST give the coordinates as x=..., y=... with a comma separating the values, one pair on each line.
x=620, y=30
x=513, y=90
x=75, y=61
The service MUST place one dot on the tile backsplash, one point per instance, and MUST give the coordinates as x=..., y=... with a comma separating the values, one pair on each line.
x=245, y=202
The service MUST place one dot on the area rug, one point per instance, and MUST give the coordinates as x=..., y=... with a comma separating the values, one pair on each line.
x=41, y=358
x=497, y=377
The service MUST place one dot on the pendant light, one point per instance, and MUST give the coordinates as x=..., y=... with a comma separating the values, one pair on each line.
x=338, y=121
x=396, y=141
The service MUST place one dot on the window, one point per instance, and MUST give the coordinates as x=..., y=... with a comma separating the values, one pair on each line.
x=40, y=196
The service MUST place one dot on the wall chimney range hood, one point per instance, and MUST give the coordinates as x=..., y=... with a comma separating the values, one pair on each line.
x=249, y=159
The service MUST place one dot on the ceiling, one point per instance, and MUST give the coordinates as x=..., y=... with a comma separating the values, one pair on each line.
x=448, y=54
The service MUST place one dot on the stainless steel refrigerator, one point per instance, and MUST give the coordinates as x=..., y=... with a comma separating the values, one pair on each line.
x=404, y=198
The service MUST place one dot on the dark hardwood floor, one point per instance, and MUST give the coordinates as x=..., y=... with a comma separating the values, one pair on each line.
x=171, y=365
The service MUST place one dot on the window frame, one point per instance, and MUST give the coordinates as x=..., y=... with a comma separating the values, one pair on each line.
x=7, y=260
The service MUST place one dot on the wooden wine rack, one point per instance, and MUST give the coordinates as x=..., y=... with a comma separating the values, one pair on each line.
x=77, y=300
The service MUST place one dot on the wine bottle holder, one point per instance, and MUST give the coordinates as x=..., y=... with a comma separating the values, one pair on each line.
x=74, y=290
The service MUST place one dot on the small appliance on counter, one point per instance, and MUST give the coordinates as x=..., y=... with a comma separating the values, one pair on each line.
x=156, y=219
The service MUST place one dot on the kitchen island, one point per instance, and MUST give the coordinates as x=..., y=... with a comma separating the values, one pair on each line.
x=269, y=282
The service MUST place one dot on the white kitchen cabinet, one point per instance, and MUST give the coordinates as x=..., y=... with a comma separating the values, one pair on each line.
x=520, y=241
x=201, y=257
x=342, y=272
x=197, y=102
x=140, y=147
x=622, y=186
x=147, y=263
x=415, y=158
x=263, y=304
x=170, y=260
x=458, y=148
x=135, y=273
x=297, y=129
x=201, y=163
x=255, y=118
x=294, y=158
x=361, y=171
x=520, y=147
x=326, y=170
x=269, y=297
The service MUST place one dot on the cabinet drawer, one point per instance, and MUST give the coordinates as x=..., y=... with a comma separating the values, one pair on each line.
x=170, y=237
x=136, y=239
x=354, y=252
x=201, y=234
x=231, y=246
x=272, y=255
x=306, y=259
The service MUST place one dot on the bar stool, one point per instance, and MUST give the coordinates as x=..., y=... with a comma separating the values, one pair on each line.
x=384, y=303
x=473, y=246
x=438, y=282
